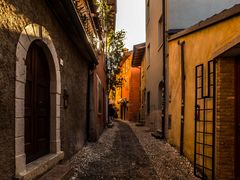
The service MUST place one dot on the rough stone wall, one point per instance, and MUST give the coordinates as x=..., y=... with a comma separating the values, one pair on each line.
x=225, y=119
x=9, y=34
x=15, y=15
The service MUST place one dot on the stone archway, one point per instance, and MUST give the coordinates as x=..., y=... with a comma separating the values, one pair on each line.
x=37, y=34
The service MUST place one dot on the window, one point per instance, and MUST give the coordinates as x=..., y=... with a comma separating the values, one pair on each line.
x=160, y=95
x=99, y=95
x=144, y=98
x=169, y=121
x=148, y=102
x=160, y=31
x=148, y=56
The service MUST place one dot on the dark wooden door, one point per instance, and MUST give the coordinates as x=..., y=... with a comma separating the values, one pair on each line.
x=37, y=104
x=238, y=119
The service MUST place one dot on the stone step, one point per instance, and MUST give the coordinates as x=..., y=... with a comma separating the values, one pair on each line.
x=140, y=123
x=157, y=134
x=59, y=172
x=110, y=125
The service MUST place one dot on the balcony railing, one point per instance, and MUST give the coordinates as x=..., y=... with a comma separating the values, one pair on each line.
x=86, y=18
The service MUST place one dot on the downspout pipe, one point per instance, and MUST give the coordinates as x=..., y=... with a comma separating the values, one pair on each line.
x=89, y=102
x=182, y=45
x=164, y=67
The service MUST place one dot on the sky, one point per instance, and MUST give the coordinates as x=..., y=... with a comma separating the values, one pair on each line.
x=131, y=18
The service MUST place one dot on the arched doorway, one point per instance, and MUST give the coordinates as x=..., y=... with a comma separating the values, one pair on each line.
x=36, y=43
x=37, y=104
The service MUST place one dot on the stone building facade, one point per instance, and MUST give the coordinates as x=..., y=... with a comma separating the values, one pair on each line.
x=204, y=89
x=139, y=60
x=98, y=110
x=163, y=18
x=123, y=90
x=46, y=60
x=127, y=98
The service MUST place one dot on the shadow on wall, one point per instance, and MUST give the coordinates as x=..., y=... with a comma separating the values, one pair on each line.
x=8, y=45
x=154, y=120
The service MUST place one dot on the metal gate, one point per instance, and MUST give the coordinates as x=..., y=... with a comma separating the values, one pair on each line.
x=204, y=143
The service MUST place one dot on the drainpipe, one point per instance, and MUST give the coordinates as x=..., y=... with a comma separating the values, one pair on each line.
x=182, y=44
x=164, y=67
x=89, y=100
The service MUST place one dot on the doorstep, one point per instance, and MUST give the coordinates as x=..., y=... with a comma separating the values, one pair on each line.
x=59, y=172
x=157, y=134
x=40, y=166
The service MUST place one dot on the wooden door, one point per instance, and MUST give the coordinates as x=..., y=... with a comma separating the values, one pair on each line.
x=237, y=159
x=37, y=104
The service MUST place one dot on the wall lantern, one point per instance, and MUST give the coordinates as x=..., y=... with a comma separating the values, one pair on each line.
x=65, y=99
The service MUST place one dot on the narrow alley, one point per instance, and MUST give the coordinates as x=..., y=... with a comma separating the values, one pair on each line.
x=119, y=89
x=130, y=152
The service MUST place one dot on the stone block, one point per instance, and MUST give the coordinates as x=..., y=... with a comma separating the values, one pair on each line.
x=19, y=127
x=19, y=146
x=19, y=108
x=20, y=90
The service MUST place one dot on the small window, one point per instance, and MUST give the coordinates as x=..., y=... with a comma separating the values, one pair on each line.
x=160, y=95
x=147, y=10
x=148, y=102
x=99, y=95
x=148, y=56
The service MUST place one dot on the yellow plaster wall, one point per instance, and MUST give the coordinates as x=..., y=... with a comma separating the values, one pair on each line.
x=143, y=86
x=125, y=73
x=199, y=48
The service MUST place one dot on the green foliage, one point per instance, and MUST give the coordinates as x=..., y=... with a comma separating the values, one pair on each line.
x=114, y=45
x=115, y=49
x=106, y=15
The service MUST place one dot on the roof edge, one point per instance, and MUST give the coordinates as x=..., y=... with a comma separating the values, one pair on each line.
x=217, y=18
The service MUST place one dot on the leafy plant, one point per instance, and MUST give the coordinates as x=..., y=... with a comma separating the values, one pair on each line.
x=106, y=15
x=114, y=45
x=115, y=50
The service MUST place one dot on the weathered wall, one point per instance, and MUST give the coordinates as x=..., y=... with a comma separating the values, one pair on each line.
x=98, y=119
x=143, y=88
x=15, y=15
x=199, y=49
x=134, y=94
x=154, y=63
x=9, y=35
x=124, y=90
x=225, y=120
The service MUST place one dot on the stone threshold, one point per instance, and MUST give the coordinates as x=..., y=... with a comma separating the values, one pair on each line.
x=36, y=168
x=59, y=172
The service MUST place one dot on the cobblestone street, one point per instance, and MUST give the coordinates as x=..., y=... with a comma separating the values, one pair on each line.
x=129, y=152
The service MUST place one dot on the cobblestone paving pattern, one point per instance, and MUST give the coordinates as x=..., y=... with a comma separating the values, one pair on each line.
x=118, y=155
x=166, y=160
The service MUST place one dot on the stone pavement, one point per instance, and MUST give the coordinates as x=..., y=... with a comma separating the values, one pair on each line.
x=129, y=152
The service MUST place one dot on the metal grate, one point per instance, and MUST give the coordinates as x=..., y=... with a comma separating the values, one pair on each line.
x=204, y=144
